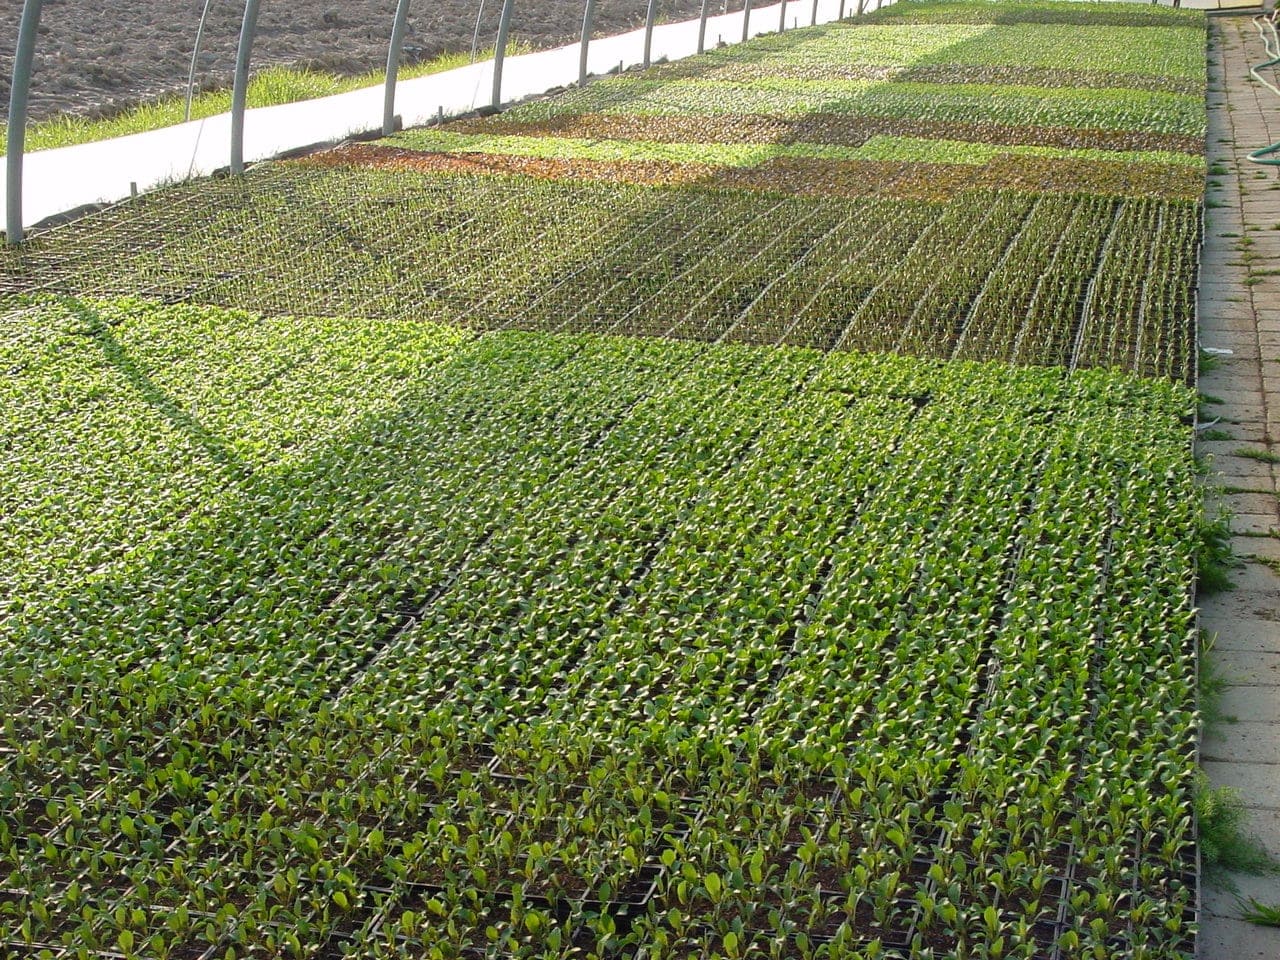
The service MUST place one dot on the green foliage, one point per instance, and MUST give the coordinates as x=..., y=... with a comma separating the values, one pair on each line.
x=1209, y=361
x=1263, y=914
x=559, y=617
x=419, y=613
x=1212, y=686
x=982, y=66
x=883, y=148
x=1037, y=12
x=1262, y=456
x=1112, y=109
x=1224, y=845
x=988, y=276
x=1215, y=558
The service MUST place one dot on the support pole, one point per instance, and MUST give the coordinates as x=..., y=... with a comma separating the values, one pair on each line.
x=18, y=95
x=195, y=60
x=813, y=17
x=398, y=27
x=500, y=50
x=587, y=15
x=746, y=20
x=475, y=34
x=650, y=17
x=240, y=89
x=782, y=16
x=702, y=27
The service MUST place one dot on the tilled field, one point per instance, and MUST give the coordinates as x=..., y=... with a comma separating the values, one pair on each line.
x=86, y=65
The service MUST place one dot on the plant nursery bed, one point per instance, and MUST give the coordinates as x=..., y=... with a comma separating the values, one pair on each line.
x=799, y=189
x=504, y=554
x=926, y=506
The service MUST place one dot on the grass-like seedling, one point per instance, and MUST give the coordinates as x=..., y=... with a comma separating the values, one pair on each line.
x=1263, y=914
x=1212, y=686
x=1262, y=456
x=1224, y=843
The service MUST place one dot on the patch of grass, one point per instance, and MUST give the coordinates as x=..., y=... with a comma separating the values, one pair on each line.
x=1224, y=844
x=1262, y=456
x=1212, y=685
x=1263, y=914
x=1209, y=361
x=267, y=88
x=1215, y=434
x=1270, y=563
x=1214, y=557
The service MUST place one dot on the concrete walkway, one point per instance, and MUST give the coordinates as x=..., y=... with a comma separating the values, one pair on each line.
x=1240, y=312
x=57, y=181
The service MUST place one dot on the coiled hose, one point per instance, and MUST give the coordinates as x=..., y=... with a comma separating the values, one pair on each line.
x=1271, y=43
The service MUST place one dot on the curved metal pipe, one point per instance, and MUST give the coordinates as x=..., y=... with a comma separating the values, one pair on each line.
x=19, y=94
x=500, y=50
x=240, y=90
x=398, y=27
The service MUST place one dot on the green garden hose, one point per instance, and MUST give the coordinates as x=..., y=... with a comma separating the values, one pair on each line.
x=1272, y=46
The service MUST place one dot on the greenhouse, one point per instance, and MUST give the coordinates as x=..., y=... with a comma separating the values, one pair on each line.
x=641, y=481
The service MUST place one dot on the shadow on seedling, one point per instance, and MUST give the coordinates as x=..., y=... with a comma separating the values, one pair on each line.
x=97, y=328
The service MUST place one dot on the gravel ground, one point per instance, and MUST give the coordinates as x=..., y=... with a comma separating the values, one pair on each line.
x=88, y=63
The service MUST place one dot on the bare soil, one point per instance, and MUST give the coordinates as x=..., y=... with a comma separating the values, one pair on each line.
x=95, y=58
